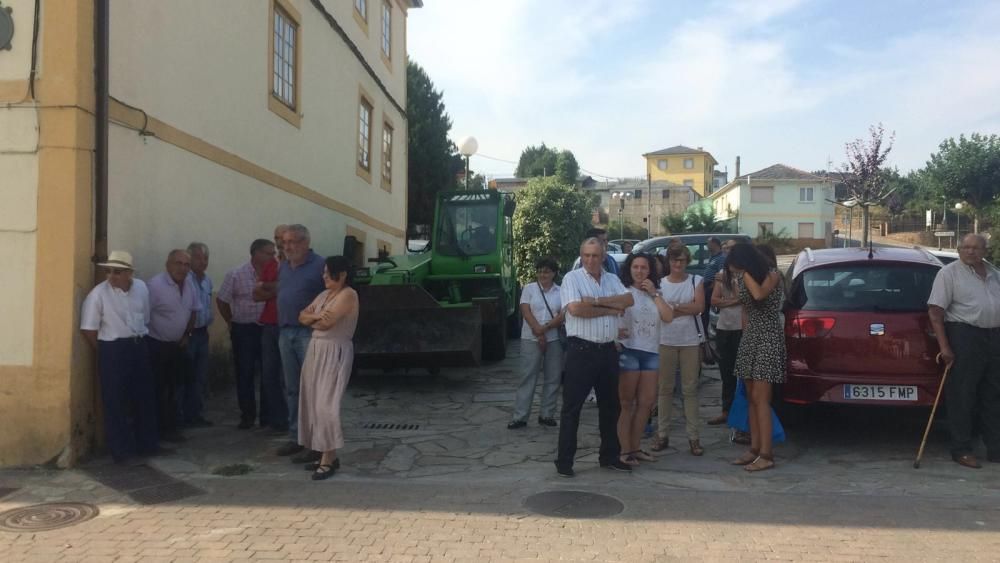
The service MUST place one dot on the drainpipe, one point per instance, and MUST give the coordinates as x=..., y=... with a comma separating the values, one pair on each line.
x=101, y=51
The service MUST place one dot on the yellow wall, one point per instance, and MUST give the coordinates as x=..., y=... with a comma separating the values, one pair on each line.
x=47, y=395
x=700, y=174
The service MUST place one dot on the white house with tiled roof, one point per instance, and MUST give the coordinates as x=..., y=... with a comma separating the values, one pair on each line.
x=779, y=198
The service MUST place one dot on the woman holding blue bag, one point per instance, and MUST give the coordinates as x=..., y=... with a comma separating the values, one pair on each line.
x=760, y=361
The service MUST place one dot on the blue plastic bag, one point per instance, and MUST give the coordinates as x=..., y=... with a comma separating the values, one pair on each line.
x=739, y=415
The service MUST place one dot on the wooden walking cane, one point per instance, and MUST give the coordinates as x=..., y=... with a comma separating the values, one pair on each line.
x=920, y=452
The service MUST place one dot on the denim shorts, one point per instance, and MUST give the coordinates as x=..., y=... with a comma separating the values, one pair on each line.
x=637, y=360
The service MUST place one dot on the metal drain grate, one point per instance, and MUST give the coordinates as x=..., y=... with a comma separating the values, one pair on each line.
x=573, y=504
x=44, y=517
x=142, y=483
x=390, y=426
x=4, y=491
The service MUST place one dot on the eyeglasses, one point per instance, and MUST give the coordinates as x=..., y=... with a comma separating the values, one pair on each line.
x=117, y=271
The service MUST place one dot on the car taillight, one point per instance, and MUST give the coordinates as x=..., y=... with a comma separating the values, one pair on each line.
x=810, y=327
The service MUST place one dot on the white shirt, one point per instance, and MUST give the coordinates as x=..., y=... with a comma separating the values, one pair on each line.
x=114, y=313
x=642, y=321
x=682, y=331
x=965, y=297
x=730, y=318
x=578, y=284
x=532, y=295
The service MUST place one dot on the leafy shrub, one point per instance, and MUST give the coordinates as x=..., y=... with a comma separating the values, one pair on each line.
x=550, y=220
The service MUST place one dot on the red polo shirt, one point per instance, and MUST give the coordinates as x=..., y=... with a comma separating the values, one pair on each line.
x=270, y=274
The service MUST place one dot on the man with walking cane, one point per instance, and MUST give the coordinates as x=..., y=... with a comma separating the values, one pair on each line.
x=964, y=308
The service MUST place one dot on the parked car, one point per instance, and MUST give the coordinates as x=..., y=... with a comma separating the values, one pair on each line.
x=945, y=256
x=697, y=243
x=857, y=329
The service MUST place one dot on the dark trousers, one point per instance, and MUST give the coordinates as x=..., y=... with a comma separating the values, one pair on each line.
x=273, y=407
x=246, y=357
x=170, y=367
x=973, y=387
x=193, y=387
x=127, y=388
x=589, y=366
x=727, y=343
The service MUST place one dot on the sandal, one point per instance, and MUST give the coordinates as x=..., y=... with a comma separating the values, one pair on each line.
x=696, y=449
x=323, y=471
x=762, y=463
x=643, y=455
x=312, y=466
x=629, y=459
x=747, y=458
x=660, y=444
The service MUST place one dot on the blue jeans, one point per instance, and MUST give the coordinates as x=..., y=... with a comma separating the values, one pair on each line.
x=293, y=343
x=272, y=382
x=193, y=388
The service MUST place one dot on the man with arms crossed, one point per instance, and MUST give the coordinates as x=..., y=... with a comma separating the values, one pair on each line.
x=593, y=300
x=964, y=308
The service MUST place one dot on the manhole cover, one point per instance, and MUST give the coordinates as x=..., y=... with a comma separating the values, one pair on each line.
x=43, y=517
x=573, y=504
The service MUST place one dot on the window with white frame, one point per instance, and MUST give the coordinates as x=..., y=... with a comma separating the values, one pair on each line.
x=807, y=230
x=361, y=6
x=762, y=194
x=386, y=155
x=806, y=195
x=365, y=134
x=284, y=72
x=386, y=30
x=661, y=164
x=688, y=163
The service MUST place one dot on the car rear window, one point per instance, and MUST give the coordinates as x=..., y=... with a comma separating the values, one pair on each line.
x=864, y=287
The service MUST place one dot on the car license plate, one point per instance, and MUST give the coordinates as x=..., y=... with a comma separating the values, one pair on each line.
x=880, y=392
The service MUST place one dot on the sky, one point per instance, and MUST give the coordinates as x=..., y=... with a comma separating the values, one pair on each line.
x=771, y=81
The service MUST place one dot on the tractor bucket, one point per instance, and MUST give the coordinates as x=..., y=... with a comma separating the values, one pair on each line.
x=403, y=326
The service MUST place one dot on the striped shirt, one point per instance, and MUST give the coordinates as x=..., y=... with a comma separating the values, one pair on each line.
x=578, y=284
x=237, y=291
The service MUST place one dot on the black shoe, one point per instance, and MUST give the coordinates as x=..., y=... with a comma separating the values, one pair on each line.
x=289, y=448
x=617, y=466
x=312, y=466
x=198, y=423
x=307, y=456
x=547, y=422
x=173, y=436
x=245, y=425
x=565, y=472
x=323, y=472
x=516, y=424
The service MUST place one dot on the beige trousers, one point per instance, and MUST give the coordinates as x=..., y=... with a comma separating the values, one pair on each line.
x=689, y=359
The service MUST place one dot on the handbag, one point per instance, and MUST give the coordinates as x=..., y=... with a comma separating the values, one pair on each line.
x=561, y=329
x=739, y=415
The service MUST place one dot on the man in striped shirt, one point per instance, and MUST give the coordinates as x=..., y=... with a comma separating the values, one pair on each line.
x=593, y=300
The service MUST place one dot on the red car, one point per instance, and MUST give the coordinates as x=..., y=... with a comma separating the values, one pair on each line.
x=857, y=329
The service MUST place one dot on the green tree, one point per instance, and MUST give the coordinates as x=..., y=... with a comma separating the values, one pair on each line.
x=432, y=156
x=863, y=173
x=701, y=218
x=674, y=223
x=629, y=230
x=548, y=161
x=551, y=219
x=969, y=171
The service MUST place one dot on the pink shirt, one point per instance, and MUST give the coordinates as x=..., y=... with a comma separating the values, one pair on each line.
x=170, y=310
x=237, y=291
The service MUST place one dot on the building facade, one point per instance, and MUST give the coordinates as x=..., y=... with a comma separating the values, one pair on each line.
x=684, y=166
x=779, y=200
x=636, y=200
x=227, y=118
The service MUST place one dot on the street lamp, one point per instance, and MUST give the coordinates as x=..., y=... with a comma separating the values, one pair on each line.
x=958, y=221
x=621, y=197
x=467, y=148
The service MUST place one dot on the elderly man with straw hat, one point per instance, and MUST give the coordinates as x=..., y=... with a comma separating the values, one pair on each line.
x=114, y=319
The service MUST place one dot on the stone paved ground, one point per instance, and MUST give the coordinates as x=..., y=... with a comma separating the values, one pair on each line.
x=454, y=490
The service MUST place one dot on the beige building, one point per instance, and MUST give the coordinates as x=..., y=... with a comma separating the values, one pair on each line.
x=694, y=168
x=227, y=118
x=638, y=199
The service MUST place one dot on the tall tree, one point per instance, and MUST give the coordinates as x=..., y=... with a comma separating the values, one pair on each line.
x=969, y=171
x=863, y=174
x=548, y=161
x=432, y=156
x=550, y=220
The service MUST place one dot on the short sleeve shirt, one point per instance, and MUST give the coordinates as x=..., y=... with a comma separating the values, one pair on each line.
x=237, y=290
x=532, y=295
x=204, y=286
x=269, y=315
x=578, y=284
x=170, y=308
x=114, y=313
x=297, y=287
x=684, y=330
x=965, y=297
x=730, y=318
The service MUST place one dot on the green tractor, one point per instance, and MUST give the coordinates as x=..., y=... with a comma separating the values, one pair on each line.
x=452, y=305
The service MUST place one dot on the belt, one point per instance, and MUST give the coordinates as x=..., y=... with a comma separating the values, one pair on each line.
x=588, y=345
x=200, y=329
x=130, y=339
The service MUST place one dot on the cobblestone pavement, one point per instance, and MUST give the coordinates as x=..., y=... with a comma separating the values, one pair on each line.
x=454, y=489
